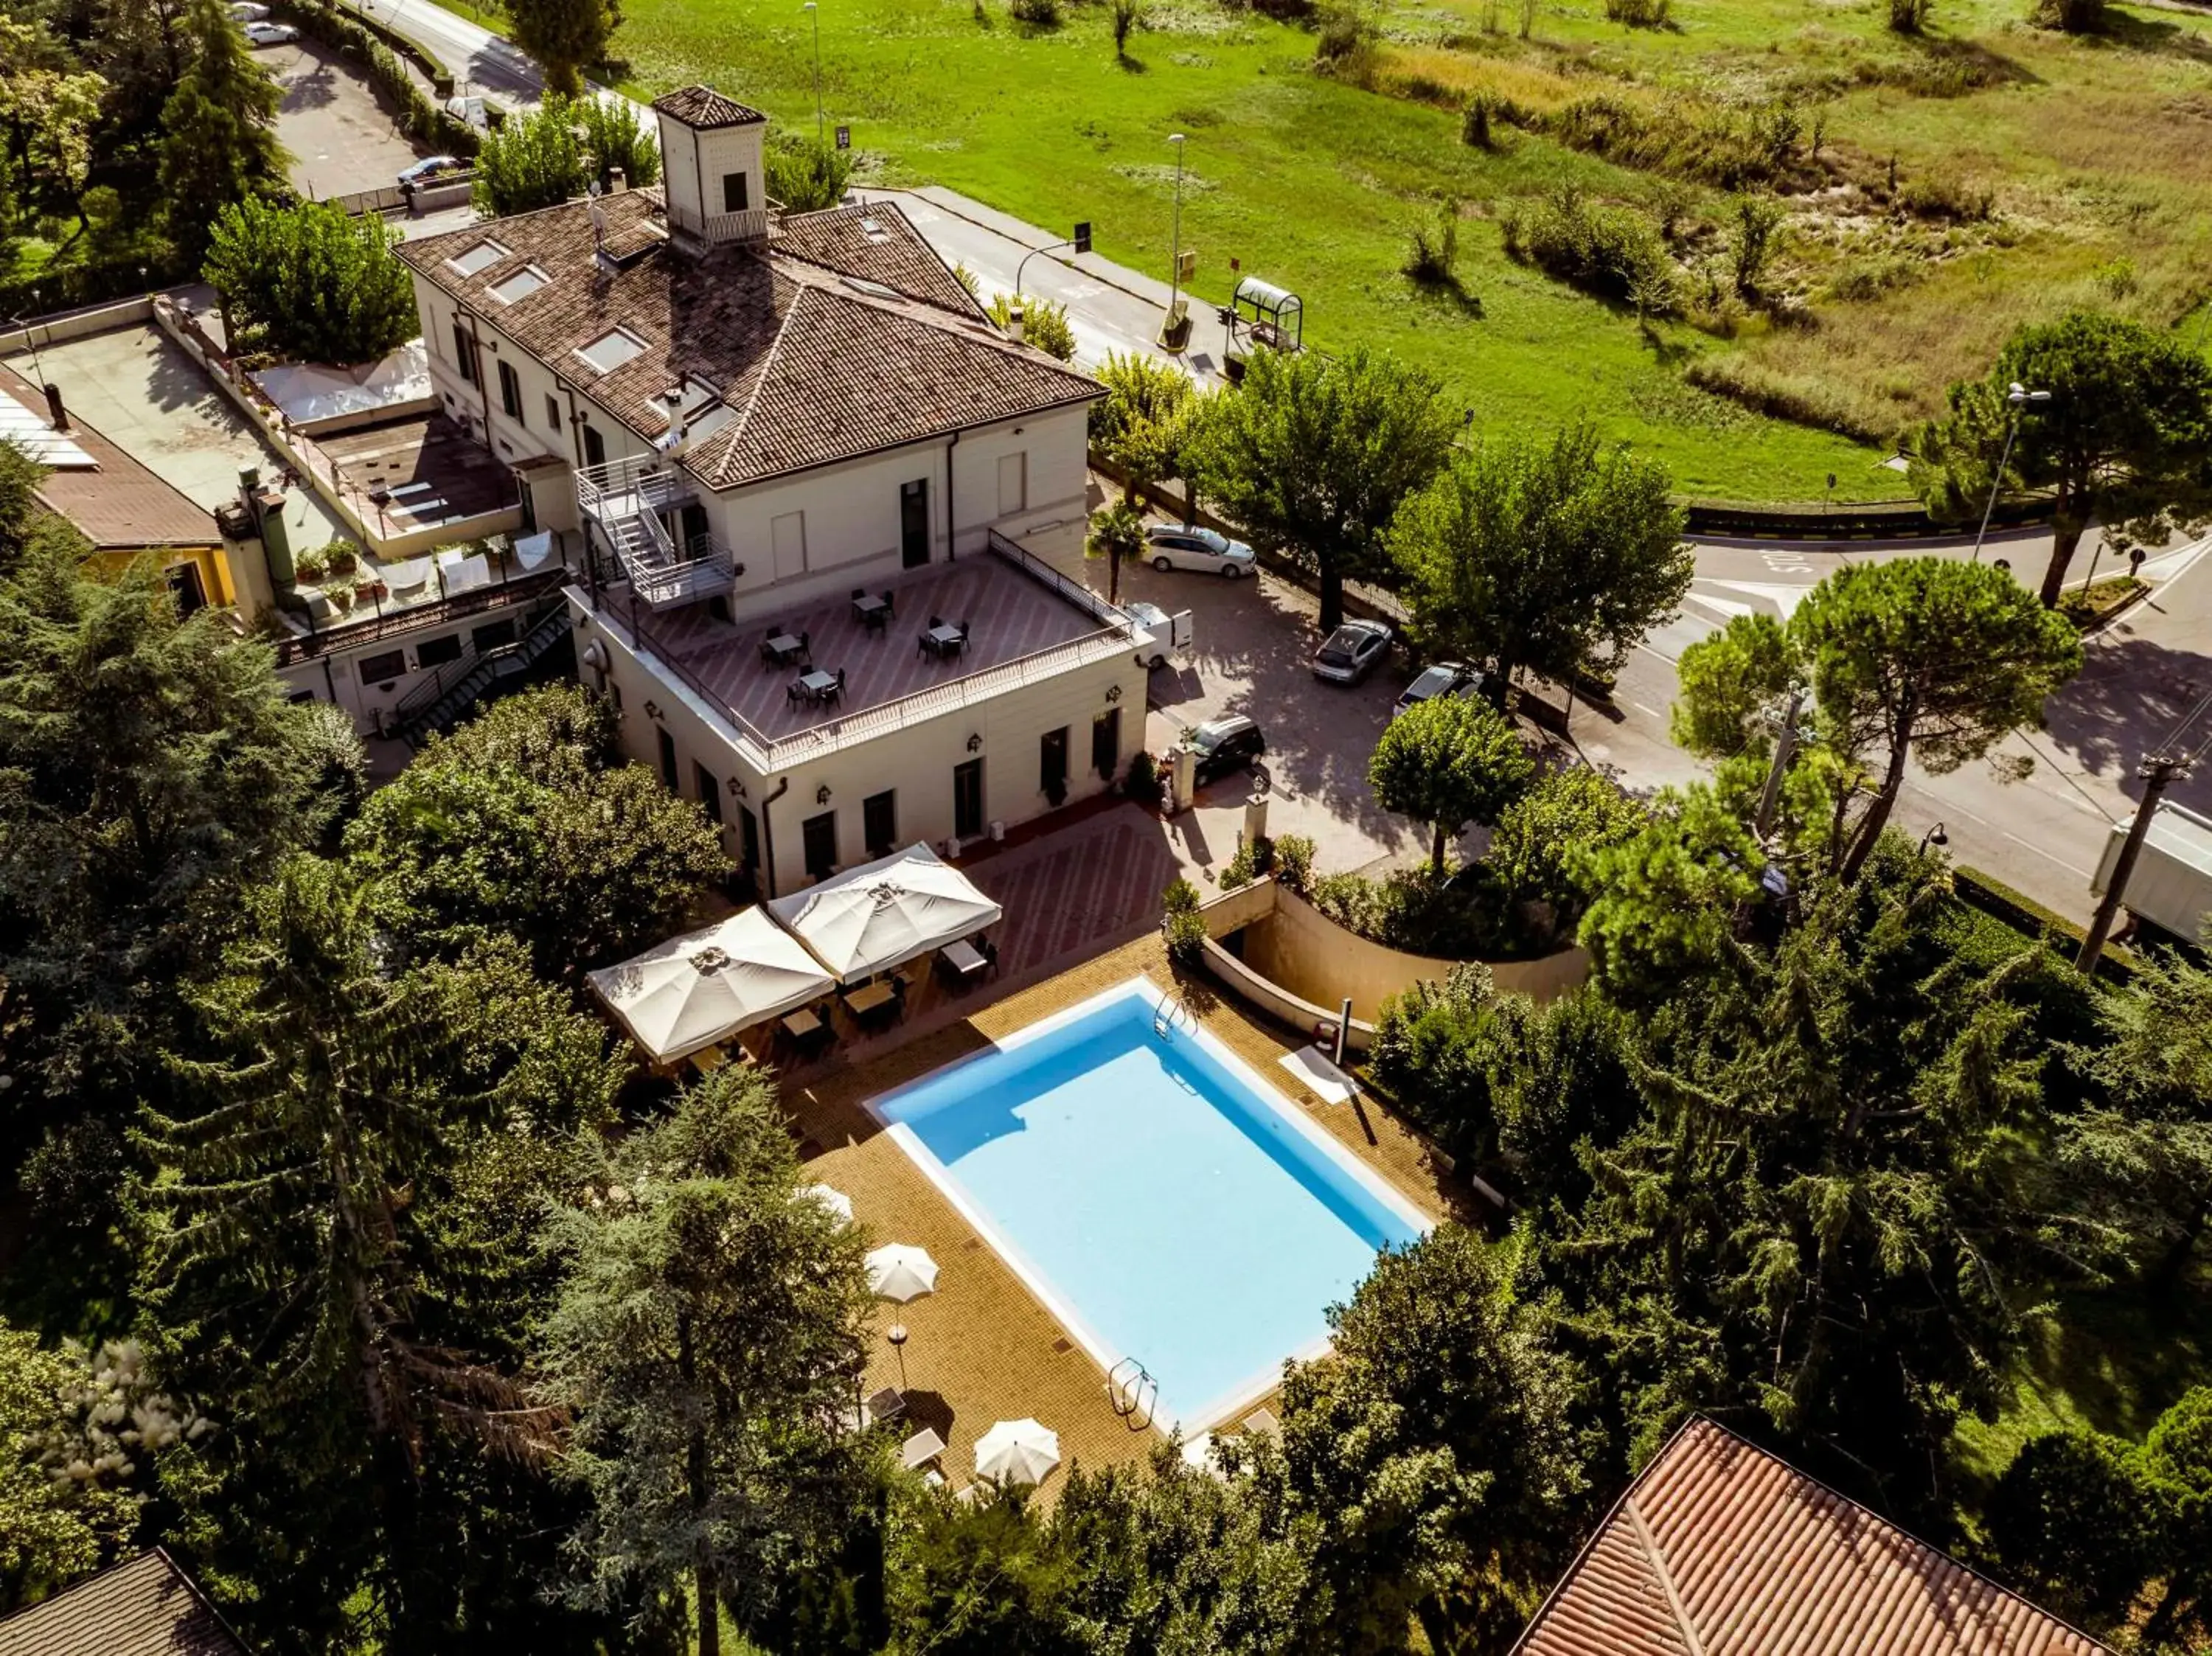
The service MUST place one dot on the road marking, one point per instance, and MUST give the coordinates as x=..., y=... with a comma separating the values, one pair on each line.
x=1641, y=708
x=2071, y=868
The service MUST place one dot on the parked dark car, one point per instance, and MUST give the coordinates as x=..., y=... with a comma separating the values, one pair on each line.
x=1446, y=678
x=1349, y=653
x=1226, y=744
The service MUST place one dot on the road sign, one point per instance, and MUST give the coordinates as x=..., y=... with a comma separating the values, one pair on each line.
x=1083, y=237
x=844, y=137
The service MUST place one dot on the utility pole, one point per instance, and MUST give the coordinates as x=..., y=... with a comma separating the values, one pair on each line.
x=1175, y=248
x=1785, y=745
x=814, y=12
x=2156, y=771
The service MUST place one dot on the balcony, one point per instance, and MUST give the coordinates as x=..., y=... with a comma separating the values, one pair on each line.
x=623, y=500
x=749, y=226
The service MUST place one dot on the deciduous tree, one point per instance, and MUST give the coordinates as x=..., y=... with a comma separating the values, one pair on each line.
x=1140, y=425
x=533, y=160
x=705, y=1342
x=527, y=822
x=1435, y=1447
x=566, y=37
x=1314, y=457
x=1539, y=554
x=2125, y=440
x=1448, y=761
x=311, y=282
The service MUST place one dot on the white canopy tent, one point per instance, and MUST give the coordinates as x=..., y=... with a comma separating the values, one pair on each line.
x=883, y=913
x=704, y=986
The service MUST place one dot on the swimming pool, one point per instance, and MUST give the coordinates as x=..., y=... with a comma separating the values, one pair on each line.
x=1165, y=1202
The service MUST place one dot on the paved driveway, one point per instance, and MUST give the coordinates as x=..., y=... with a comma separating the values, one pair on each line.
x=340, y=138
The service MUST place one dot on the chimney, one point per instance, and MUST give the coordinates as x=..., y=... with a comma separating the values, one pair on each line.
x=618, y=180
x=57, y=416
x=1014, y=321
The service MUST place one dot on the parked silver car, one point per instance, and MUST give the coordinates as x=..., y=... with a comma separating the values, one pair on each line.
x=1350, y=654
x=1181, y=546
x=1445, y=678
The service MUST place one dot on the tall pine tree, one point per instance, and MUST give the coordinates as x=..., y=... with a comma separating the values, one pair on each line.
x=220, y=129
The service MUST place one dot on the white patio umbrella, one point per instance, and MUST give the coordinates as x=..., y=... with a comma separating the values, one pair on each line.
x=1017, y=1452
x=901, y=1272
x=706, y=985
x=835, y=1200
x=874, y=917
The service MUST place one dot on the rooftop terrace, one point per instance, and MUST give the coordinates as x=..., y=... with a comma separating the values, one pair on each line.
x=1025, y=622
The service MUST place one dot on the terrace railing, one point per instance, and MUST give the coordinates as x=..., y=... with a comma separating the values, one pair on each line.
x=749, y=226
x=765, y=751
x=394, y=623
x=618, y=487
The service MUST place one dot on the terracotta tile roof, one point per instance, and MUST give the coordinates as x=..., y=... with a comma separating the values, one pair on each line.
x=120, y=505
x=875, y=243
x=1720, y=1549
x=815, y=365
x=146, y=1607
x=704, y=107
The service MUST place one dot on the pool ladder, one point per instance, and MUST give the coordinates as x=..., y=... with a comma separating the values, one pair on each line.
x=1165, y=1014
x=1132, y=1394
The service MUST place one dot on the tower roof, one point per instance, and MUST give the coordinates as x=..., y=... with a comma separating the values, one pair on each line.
x=704, y=107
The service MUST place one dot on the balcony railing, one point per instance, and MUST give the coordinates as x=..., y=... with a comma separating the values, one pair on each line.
x=641, y=482
x=394, y=623
x=749, y=226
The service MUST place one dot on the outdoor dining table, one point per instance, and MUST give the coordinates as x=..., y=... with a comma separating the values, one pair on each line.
x=818, y=683
x=862, y=1001
x=962, y=958
x=801, y=1024
x=785, y=647
x=868, y=609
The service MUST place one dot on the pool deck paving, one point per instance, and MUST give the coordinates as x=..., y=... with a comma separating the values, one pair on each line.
x=983, y=1349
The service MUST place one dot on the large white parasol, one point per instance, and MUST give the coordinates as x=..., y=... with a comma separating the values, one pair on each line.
x=1017, y=1452
x=900, y=1272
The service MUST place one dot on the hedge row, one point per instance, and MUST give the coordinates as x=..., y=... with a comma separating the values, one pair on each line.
x=2024, y=915
x=373, y=50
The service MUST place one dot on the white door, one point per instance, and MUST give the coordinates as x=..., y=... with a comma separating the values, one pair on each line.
x=1013, y=484
x=788, y=534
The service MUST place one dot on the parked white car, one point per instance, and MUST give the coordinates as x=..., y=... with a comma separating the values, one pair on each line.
x=1168, y=632
x=272, y=35
x=1180, y=546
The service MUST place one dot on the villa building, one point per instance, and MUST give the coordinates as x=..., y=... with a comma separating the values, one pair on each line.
x=818, y=491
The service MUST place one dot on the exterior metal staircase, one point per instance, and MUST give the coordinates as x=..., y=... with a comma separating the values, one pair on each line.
x=441, y=703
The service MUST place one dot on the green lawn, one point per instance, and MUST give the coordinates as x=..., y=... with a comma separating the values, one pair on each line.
x=1308, y=182
x=2094, y=148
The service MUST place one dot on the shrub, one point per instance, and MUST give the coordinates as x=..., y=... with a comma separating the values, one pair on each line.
x=1718, y=148
x=1345, y=37
x=2075, y=17
x=1044, y=324
x=1606, y=251
x=805, y=176
x=1293, y=857
x=1185, y=935
x=1432, y=250
x=1038, y=13
x=1940, y=195
x=1754, y=237
x=1474, y=130
x=1141, y=781
x=310, y=567
x=1908, y=17
x=1427, y=1055
x=2075, y=1510
x=1128, y=14
x=1639, y=14
x=343, y=557
x=1181, y=897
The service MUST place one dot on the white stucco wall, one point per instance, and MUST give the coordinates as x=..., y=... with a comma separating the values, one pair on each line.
x=916, y=762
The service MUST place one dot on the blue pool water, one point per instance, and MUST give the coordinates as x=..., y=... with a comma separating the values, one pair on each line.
x=1169, y=1210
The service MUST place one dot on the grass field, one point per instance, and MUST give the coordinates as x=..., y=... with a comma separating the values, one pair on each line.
x=2095, y=151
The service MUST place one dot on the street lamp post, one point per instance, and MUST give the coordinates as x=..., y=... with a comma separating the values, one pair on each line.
x=2020, y=397
x=815, y=11
x=1175, y=248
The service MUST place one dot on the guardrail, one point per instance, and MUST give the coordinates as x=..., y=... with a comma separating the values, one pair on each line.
x=1870, y=520
x=749, y=226
x=765, y=751
x=394, y=623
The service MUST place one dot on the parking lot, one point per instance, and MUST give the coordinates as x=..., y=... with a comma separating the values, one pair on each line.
x=341, y=138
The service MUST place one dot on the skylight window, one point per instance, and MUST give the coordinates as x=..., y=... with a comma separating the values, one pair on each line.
x=523, y=284
x=482, y=256
x=611, y=349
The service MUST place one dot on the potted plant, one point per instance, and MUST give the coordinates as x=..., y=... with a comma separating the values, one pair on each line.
x=310, y=568
x=343, y=557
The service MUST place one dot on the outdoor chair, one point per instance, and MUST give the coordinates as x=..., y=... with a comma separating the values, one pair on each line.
x=889, y=606
x=926, y=645
x=795, y=693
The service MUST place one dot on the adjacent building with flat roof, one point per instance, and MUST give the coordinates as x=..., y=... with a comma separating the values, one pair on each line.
x=771, y=426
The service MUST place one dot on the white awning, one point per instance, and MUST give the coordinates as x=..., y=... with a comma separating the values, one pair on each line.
x=883, y=913
x=705, y=987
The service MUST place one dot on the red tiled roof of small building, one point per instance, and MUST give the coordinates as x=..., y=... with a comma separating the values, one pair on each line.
x=1720, y=1549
